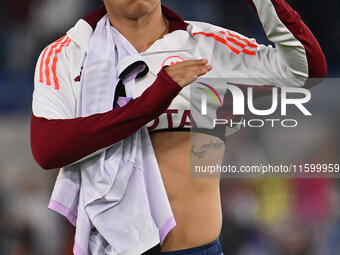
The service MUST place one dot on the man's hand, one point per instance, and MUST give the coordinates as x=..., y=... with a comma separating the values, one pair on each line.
x=188, y=71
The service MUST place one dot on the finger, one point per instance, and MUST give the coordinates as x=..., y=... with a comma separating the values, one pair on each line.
x=187, y=63
x=203, y=61
x=205, y=69
x=199, y=73
x=193, y=79
x=199, y=70
x=193, y=69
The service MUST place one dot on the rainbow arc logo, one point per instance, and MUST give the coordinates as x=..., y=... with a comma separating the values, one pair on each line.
x=206, y=90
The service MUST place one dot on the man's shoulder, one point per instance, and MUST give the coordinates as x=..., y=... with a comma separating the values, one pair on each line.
x=83, y=30
x=199, y=26
x=80, y=34
x=222, y=39
x=76, y=40
x=207, y=28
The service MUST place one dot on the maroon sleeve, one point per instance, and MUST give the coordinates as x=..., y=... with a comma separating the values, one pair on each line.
x=57, y=143
x=317, y=66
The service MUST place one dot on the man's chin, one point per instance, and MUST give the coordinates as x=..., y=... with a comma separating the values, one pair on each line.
x=141, y=8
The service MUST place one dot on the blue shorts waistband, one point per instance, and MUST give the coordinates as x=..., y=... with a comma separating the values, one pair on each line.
x=213, y=248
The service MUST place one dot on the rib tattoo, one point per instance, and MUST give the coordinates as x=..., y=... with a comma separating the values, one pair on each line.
x=204, y=148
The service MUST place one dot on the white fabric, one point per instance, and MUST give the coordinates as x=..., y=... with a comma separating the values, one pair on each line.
x=117, y=197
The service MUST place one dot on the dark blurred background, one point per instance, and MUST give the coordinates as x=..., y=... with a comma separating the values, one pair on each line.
x=262, y=216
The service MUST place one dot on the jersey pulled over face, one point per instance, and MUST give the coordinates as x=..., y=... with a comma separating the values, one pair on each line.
x=130, y=9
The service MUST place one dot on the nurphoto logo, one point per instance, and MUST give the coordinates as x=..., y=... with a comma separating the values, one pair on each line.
x=289, y=96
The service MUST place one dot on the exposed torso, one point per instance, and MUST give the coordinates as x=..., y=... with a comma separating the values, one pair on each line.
x=195, y=201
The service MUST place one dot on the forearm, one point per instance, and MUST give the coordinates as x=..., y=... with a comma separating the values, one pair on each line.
x=57, y=143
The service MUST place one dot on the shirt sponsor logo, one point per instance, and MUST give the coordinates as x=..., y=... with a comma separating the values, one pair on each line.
x=175, y=119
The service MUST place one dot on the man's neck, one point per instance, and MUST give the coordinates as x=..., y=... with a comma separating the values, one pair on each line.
x=144, y=31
